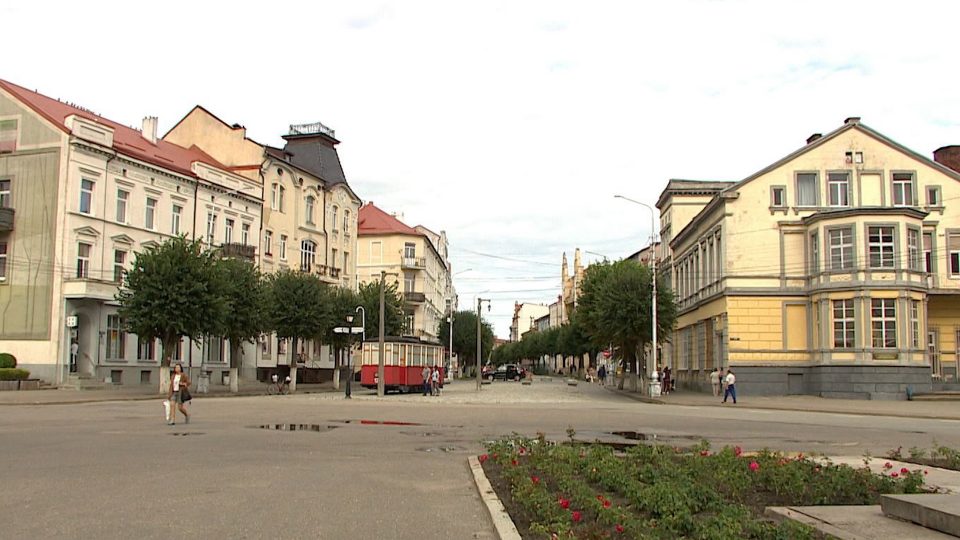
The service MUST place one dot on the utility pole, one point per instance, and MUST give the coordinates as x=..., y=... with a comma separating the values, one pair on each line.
x=380, y=388
x=480, y=301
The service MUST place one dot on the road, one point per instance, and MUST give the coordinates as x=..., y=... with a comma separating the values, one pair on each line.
x=115, y=470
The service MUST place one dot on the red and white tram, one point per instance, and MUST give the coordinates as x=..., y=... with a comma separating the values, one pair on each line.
x=403, y=362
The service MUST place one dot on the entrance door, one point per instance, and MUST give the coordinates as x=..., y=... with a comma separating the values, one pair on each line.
x=933, y=351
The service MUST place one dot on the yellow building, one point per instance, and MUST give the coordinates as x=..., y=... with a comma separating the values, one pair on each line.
x=415, y=256
x=835, y=271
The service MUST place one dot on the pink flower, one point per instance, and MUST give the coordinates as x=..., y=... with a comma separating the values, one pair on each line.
x=816, y=469
x=737, y=451
x=522, y=450
x=888, y=465
x=564, y=503
x=535, y=479
x=894, y=475
x=754, y=466
x=904, y=470
x=606, y=503
x=704, y=452
x=619, y=528
x=483, y=458
x=576, y=516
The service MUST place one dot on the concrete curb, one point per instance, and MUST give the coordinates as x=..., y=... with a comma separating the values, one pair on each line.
x=106, y=399
x=781, y=513
x=506, y=530
x=635, y=396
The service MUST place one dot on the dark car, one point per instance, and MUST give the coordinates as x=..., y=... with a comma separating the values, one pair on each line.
x=506, y=372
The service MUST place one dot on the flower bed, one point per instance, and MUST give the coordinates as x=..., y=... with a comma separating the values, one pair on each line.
x=661, y=492
x=943, y=457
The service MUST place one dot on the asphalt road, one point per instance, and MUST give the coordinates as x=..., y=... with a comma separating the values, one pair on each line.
x=115, y=470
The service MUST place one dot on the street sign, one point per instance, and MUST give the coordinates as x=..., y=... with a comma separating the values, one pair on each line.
x=348, y=330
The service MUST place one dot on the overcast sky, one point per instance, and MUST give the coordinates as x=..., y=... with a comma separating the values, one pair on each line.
x=512, y=124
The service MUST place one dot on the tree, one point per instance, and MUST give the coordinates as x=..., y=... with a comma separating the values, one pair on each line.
x=241, y=285
x=295, y=308
x=369, y=298
x=465, y=337
x=170, y=293
x=338, y=304
x=615, y=307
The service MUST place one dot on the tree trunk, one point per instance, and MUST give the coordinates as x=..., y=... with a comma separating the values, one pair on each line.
x=168, y=344
x=236, y=347
x=295, y=356
x=336, y=368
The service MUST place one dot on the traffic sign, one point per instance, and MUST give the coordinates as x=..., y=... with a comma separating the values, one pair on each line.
x=348, y=330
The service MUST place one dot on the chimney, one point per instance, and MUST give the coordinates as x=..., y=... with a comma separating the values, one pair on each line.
x=852, y=120
x=814, y=137
x=948, y=156
x=149, y=129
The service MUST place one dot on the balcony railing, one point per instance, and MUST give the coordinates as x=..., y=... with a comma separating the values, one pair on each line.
x=311, y=129
x=414, y=297
x=6, y=219
x=239, y=251
x=414, y=262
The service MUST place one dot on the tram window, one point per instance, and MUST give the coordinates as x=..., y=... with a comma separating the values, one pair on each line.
x=418, y=355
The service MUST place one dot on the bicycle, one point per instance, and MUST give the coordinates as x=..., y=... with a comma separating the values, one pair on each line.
x=275, y=387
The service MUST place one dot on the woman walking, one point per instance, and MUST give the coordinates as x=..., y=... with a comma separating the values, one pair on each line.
x=179, y=384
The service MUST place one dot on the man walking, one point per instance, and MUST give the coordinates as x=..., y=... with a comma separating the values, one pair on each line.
x=715, y=381
x=426, y=379
x=435, y=380
x=731, y=389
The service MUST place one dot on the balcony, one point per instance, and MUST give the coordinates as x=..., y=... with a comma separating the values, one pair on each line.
x=414, y=297
x=418, y=263
x=326, y=273
x=6, y=219
x=239, y=251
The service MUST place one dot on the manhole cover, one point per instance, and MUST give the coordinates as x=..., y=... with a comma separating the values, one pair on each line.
x=185, y=433
x=296, y=427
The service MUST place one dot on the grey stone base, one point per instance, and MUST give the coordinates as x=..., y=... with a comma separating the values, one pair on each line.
x=44, y=372
x=834, y=381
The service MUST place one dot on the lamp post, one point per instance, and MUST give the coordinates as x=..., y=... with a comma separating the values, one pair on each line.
x=654, y=383
x=480, y=301
x=363, y=338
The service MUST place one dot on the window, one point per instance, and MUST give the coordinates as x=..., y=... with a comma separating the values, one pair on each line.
x=145, y=349
x=346, y=221
x=116, y=338
x=245, y=233
x=265, y=344
x=933, y=196
x=838, y=189
x=903, y=189
x=913, y=250
x=409, y=281
x=881, y=246
x=281, y=346
x=5, y=201
x=175, y=219
x=333, y=257
x=122, y=196
x=83, y=260
x=915, y=324
x=807, y=189
x=409, y=250
x=8, y=136
x=841, y=248
x=814, y=253
x=151, y=212
x=119, y=265
x=346, y=260
x=778, y=196
x=883, y=315
x=268, y=242
x=283, y=247
x=308, y=255
x=228, y=232
x=953, y=252
x=280, y=199
x=275, y=197
x=3, y=261
x=928, y=252
x=86, y=196
x=309, y=210
x=211, y=227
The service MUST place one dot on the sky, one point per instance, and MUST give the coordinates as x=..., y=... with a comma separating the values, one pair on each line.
x=511, y=125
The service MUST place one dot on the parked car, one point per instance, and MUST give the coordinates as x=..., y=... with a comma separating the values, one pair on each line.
x=506, y=372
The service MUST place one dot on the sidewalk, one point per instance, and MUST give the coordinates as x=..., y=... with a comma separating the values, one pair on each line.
x=941, y=410
x=140, y=393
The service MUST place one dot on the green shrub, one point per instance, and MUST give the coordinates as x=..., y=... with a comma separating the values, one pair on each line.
x=13, y=374
x=7, y=361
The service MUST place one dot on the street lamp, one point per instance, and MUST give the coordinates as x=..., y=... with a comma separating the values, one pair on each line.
x=363, y=338
x=480, y=301
x=654, y=384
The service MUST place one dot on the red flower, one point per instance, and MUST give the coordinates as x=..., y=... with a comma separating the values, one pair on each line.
x=704, y=452
x=800, y=456
x=522, y=450
x=925, y=473
x=737, y=451
x=601, y=498
x=483, y=458
x=894, y=475
x=576, y=516
x=606, y=503
x=514, y=462
x=888, y=465
x=754, y=466
x=904, y=470
x=619, y=528
x=535, y=479
x=494, y=456
x=564, y=503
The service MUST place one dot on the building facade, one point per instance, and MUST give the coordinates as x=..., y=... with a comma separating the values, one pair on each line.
x=415, y=257
x=310, y=213
x=81, y=195
x=525, y=316
x=834, y=271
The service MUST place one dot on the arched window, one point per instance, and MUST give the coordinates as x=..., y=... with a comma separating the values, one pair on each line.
x=346, y=221
x=308, y=255
x=309, y=209
x=334, y=214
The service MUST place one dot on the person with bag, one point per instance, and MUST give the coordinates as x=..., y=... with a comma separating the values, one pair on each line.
x=178, y=394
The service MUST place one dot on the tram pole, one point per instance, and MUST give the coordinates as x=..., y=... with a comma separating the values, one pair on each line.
x=380, y=389
x=480, y=301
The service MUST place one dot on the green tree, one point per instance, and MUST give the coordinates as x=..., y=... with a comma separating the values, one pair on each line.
x=171, y=292
x=369, y=298
x=465, y=337
x=339, y=303
x=240, y=283
x=296, y=309
x=615, y=307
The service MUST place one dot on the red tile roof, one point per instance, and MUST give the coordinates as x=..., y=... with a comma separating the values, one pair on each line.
x=373, y=220
x=126, y=140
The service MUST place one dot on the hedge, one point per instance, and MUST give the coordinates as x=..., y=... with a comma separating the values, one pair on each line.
x=7, y=361
x=13, y=374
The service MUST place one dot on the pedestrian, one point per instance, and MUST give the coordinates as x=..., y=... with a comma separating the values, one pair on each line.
x=435, y=380
x=178, y=394
x=715, y=381
x=730, y=382
x=426, y=379
x=602, y=375
x=667, y=380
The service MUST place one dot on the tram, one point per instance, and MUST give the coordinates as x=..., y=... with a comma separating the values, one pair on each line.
x=403, y=362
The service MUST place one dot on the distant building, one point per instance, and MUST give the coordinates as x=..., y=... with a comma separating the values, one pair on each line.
x=524, y=317
x=572, y=284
